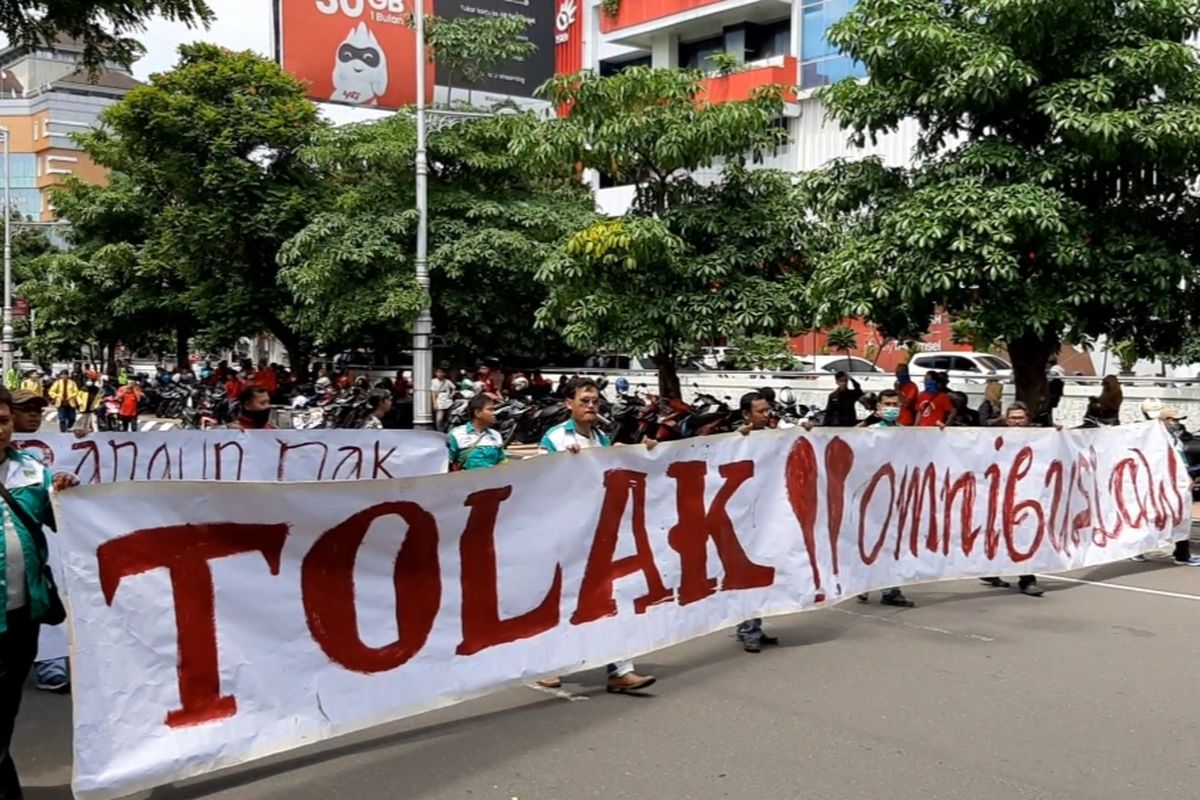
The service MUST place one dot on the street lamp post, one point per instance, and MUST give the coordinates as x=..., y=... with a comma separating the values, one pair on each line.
x=422, y=352
x=7, y=342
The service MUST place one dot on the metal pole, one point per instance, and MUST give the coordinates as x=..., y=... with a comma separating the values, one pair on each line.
x=422, y=354
x=8, y=308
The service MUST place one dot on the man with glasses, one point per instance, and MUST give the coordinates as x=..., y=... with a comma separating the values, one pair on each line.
x=577, y=434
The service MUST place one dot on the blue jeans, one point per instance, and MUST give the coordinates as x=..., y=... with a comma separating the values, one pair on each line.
x=66, y=418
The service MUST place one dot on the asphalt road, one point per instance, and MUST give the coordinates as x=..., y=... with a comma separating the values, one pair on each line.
x=976, y=693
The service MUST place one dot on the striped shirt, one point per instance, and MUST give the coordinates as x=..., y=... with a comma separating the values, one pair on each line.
x=472, y=449
x=564, y=436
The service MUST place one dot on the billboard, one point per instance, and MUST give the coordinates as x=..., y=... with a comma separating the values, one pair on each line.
x=354, y=52
x=513, y=78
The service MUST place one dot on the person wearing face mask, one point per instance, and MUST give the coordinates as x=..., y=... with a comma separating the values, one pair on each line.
x=889, y=411
x=1172, y=420
x=908, y=392
x=935, y=409
x=255, y=406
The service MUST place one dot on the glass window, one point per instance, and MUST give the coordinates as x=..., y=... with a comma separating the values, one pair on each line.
x=991, y=362
x=965, y=364
x=24, y=170
x=821, y=63
x=937, y=363
x=27, y=202
x=697, y=55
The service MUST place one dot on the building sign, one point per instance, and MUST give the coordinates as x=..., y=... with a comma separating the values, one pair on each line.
x=568, y=38
x=514, y=78
x=354, y=52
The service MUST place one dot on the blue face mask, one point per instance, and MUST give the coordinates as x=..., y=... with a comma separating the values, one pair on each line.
x=931, y=386
x=891, y=413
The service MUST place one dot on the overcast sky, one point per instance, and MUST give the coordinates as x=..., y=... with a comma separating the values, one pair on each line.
x=240, y=25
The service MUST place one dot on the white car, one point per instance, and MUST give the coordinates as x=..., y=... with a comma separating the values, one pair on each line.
x=831, y=364
x=969, y=367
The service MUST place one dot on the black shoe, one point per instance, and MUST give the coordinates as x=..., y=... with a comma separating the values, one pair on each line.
x=1032, y=589
x=864, y=598
x=997, y=582
x=751, y=645
x=770, y=641
x=897, y=599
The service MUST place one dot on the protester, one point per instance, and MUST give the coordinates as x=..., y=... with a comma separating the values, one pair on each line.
x=485, y=383
x=380, y=403
x=254, y=412
x=129, y=400
x=33, y=383
x=840, y=408
x=935, y=409
x=889, y=409
x=756, y=416
x=443, y=397
x=991, y=410
x=477, y=445
x=29, y=593
x=90, y=402
x=1172, y=420
x=1017, y=416
x=267, y=377
x=574, y=436
x=908, y=396
x=1054, y=394
x=50, y=674
x=1106, y=408
x=63, y=394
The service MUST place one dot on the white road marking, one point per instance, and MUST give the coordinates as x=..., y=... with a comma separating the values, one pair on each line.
x=927, y=628
x=561, y=694
x=1123, y=587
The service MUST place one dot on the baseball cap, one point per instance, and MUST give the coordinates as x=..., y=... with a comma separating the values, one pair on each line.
x=1152, y=407
x=1172, y=413
x=24, y=397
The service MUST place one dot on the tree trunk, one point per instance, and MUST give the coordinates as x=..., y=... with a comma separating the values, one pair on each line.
x=182, y=351
x=1030, y=354
x=109, y=354
x=668, y=376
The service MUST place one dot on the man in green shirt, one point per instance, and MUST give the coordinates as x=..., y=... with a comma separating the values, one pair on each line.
x=477, y=445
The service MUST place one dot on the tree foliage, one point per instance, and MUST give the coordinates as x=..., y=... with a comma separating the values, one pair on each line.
x=762, y=352
x=1052, y=200
x=493, y=221
x=101, y=25
x=691, y=259
x=469, y=49
x=214, y=148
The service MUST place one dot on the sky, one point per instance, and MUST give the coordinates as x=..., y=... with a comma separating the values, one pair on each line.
x=240, y=25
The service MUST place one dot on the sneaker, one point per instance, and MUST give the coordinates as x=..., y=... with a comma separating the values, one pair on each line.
x=1193, y=561
x=1033, y=590
x=51, y=676
x=897, y=599
x=550, y=683
x=1139, y=558
x=999, y=583
x=752, y=645
x=770, y=641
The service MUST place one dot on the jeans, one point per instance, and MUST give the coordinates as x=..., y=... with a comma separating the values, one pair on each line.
x=18, y=648
x=129, y=423
x=66, y=418
x=750, y=631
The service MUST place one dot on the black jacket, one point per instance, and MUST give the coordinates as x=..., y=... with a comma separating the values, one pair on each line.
x=841, y=411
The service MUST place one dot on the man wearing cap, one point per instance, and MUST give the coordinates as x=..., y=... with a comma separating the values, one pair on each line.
x=1171, y=419
x=27, y=411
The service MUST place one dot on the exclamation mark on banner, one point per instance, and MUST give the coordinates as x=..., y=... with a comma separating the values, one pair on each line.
x=801, y=475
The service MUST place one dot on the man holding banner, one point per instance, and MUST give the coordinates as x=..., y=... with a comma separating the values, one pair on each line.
x=756, y=416
x=574, y=436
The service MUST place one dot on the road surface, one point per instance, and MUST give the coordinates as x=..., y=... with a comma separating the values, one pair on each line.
x=1084, y=694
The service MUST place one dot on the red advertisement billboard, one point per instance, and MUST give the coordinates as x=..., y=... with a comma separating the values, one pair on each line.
x=353, y=52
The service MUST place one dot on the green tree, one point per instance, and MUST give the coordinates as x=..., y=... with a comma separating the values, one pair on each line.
x=472, y=48
x=689, y=258
x=762, y=352
x=843, y=339
x=101, y=25
x=1052, y=198
x=493, y=220
x=100, y=292
x=214, y=147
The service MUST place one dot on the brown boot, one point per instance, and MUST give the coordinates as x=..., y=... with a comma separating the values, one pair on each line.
x=630, y=683
x=550, y=683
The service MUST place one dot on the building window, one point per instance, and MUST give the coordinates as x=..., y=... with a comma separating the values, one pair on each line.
x=615, y=66
x=820, y=61
x=698, y=55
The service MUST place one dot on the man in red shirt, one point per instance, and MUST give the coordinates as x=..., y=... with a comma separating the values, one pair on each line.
x=935, y=409
x=908, y=396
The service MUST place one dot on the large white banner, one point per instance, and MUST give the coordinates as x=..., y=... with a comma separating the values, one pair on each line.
x=229, y=455
x=220, y=623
